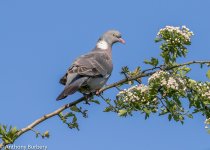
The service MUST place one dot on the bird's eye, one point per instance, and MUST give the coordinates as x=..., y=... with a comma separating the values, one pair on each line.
x=114, y=35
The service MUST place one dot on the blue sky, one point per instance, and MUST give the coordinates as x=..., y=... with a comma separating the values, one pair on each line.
x=38, y=41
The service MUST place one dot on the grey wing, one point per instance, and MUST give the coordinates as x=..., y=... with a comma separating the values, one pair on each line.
x=96, y=61
x=91, y=65
x=72, y=81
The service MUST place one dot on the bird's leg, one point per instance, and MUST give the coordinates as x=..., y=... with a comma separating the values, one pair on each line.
x=87, y=97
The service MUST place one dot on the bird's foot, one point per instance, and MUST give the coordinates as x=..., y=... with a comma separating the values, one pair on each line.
x=98, y=92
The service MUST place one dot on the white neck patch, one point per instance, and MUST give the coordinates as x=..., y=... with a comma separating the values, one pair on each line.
x=102, y=44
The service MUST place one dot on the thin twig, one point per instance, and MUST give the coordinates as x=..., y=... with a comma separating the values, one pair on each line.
x=102, y=97
x=118, y=88
x=188, y=63
x=151, y=69
x=164, y=104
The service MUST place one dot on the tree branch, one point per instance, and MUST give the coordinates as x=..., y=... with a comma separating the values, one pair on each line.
x=56, y=112
x=188, y=63
x=45, y=117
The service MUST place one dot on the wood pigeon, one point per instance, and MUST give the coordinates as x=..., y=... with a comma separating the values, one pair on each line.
x=89, y=72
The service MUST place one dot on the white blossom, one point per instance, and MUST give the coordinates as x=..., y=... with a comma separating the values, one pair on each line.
x=206, y=94
x=202, y=88
x=207, y=123
x=183, y=31
x=167, y=80
x=157, y=75
x=131, y=94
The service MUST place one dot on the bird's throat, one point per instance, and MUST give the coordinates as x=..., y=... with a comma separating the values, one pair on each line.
x=102, y=45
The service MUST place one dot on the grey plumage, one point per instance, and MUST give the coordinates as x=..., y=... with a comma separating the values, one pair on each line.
x=89, y=72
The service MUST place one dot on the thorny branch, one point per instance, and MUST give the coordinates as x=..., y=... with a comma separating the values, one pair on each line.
x=144, y=73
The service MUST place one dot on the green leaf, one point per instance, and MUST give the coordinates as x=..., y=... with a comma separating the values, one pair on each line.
x=122, y=112
x=190, y=115
x=125, y=70
x=146, y=61
x=95, y=101
x=69, y=115
x=74, y=108
x=13, y=130
x=187, y=69
x=137, y=71
x=60, y=115
x=158, y=40
x=47, y=134
x=146, y=111
x=75, y=119
x=208, y=74
x=108, y=101
x=153, y=61
x=163, y=112
x=108, y=109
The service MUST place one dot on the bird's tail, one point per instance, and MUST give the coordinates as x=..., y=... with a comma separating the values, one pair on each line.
x=71, y=88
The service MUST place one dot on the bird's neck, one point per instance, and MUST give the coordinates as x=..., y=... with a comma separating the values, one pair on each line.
x=103, y=45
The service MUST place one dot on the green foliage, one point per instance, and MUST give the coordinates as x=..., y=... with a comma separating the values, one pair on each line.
x=128, y=74
x=94, y=101
x=46, y=134
x=167, y=87
x=122, y=112
x=125, y=70
x=70, y=123
x=8, y=134
x=174, y=41
x=70, y=118
x=154, y=61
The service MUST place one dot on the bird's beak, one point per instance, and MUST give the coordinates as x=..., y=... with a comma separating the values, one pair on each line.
x=121, y=40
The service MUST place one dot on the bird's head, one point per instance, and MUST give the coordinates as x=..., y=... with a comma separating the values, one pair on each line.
x=111, y=37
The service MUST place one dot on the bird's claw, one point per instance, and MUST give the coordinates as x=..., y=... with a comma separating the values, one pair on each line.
x=87, y=97
x=98, y=93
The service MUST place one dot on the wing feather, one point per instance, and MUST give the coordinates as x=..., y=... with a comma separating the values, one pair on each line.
x=93, y=64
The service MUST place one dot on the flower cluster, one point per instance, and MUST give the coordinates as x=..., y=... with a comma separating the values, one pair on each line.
x=202, y=88
x=167, y=80
x=170, y=83
x=206, y=94
x=176, y=34
x=158, y=75
x=134, y=93
x=206, y=90
x=207, y=122
x=137, y=98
